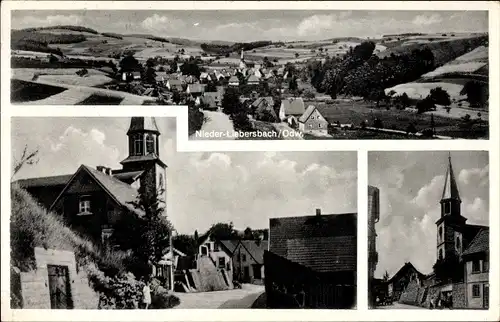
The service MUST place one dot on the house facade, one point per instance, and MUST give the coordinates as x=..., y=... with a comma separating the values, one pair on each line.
x=291, y=109
x=248, y=261
x=220, y=253
x=313, y=122
x=476, y=259
x=93, y=200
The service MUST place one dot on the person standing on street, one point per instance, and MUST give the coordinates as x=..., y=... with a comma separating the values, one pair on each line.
x=146, y=295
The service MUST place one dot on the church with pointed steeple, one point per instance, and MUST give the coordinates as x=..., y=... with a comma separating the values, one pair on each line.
x=92, y=200
x=453, y=233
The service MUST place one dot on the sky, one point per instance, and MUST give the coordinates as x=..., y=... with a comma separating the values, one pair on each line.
x=246, y=188
x=251, y=25
x=411, y=185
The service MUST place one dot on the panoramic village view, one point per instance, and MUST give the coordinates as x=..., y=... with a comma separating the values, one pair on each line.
x=428, y=230
x=107, y=215
x=251, y=75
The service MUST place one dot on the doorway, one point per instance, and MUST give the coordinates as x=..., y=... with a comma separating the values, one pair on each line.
x=59, y=287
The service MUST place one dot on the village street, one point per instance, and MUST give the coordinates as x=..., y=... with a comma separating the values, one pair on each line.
x=400, y=306
x=214, y=300
x=216, y=122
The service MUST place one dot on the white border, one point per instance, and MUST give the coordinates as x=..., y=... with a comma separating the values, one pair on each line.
x=184, y=145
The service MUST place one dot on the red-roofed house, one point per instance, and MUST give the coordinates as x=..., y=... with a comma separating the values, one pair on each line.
x=92, y=200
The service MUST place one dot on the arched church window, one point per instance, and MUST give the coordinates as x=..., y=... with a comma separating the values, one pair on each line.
x=138, y=144
x=441, y=233
x=458, y=244
x=447, y=207
x=150, y=144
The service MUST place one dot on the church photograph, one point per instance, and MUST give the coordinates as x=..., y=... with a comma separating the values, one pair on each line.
x=428, y=215
x=105, y=211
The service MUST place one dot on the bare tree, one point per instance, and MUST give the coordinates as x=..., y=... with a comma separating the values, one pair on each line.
x=28, y=157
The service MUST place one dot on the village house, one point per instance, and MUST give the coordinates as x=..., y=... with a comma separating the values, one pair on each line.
x=291, y=109
x=205, y=78
x=248, y=261
x=174, y=85
x=313, y=122
x=219, y=252
x=195, y=90
x=313, y=257
x=161, y=78
x=476, y=260
x=400, y=280
x=93, y=200
x=253, y=80
x=263, y=108
x=234, y=81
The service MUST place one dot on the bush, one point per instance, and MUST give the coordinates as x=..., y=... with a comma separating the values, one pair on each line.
x=308, y=94
x=378, y=123
x=161, y=299
x=428, y=133
x=440, y=96
x=120, y=292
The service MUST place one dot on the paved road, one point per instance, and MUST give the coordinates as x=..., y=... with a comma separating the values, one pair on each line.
x=400, y=306
x=214, y=300
x=217, y=125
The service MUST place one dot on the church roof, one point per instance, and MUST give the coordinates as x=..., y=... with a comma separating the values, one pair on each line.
x=141, y=124
x=142, y=158
x=450, y=190
x=44, y=181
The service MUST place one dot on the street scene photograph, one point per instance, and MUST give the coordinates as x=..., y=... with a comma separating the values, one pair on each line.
x=265, y=74
x=106, y=214
x=428, y=230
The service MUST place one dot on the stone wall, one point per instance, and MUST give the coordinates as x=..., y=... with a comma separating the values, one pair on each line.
x=410, y=294
x=35, y=284
x=458, y=295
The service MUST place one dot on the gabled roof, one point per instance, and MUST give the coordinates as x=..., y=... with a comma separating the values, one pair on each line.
x=44, y=181
x=234, y=79
x=407, y=266
x=230, y=245
x=480, y=243
x=255, y=249
x=127, y=177
x=265, y=100
x=310, y=109
x=120, y=192
x=176, y=82
x=215, y=95
x=253, y=78
x=301, y=237
x=293, y=106
x=450, y=190
x=196, y=88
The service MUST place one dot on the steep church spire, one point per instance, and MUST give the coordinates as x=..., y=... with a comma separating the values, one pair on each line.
x=450, y=189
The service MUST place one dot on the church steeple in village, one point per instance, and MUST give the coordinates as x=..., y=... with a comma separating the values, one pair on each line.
x=451, y=223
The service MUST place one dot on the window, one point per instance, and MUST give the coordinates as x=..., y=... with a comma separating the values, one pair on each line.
x=319, y=125
x=447, y=207
x=440, y=233
x=486, y=265
x=138, y=144
x=476, y=290
x=458, y=244
x=216, y=247
x=243, y=257
x=476, y=267
x=150, y=144
x=222, y=262
x=84, y=206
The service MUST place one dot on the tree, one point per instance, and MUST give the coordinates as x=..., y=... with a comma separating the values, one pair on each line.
x=378, y=123
x=223, y=231
x=27, y=157
x=477, y=93
x=440, y=96
x=425, y=105
x=292, y=85
x=150, y=75
x=231, y=101
x=248, y=234
x=385, y=278
x=186, y=244
x=129, y=64
x=191, y=68
x=176, y=97
x=144, y=231
x=196, y=237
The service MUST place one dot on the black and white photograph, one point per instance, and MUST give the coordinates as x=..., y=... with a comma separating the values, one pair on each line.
x=428, y=231
x=266, y=74
x=106, y=214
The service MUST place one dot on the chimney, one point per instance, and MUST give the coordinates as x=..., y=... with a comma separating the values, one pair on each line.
x=100, y=168
x=109, y=171
x=318, y=212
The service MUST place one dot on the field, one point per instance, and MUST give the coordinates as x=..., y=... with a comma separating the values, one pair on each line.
x=420, y=90
x=467, y=63
x=357, y=112
x=91, y=81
